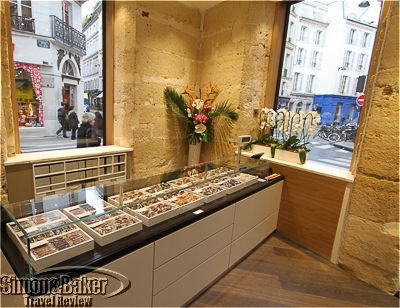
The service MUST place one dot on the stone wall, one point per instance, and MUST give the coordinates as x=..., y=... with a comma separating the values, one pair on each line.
x=235, y=53
x=6, y=119
x=370, y=247
x=159, y=44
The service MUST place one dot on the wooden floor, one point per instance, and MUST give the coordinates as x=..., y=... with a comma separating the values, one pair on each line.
x=280, y=273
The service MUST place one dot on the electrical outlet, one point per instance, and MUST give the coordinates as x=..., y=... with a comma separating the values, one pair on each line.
x=255, y=113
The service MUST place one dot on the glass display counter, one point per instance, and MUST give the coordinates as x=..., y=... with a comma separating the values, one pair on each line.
x=89, y=227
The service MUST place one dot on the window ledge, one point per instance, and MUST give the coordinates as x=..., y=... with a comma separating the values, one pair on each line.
x=37, y=157
x=312, y=167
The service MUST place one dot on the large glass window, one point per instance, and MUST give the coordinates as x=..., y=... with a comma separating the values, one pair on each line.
x=58, y=63
x=329, y=79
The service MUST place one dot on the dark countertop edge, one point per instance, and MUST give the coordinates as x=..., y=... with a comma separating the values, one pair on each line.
x=102, y=255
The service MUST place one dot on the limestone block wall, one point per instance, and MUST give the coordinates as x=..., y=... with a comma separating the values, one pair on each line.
x=156, y=45
x=370, y=247
x=235, y=52
x=159, y=44
x=6, y=119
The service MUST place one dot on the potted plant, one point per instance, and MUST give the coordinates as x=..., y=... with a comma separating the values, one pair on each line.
x=198, y=112
x=287, y=131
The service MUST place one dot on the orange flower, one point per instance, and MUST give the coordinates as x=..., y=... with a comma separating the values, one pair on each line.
x=214, y=88
x=188, y=89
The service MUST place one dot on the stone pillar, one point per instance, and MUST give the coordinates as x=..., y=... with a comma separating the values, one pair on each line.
x=6, y=121
x=370, y=246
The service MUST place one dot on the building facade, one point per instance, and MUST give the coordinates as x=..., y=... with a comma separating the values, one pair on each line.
x=93, y=60
x=48, y=46
x=327, y=51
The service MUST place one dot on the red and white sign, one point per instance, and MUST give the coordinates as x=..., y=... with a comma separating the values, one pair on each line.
x=360, y=100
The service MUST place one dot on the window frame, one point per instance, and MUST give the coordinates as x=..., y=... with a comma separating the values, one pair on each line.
x=318, y=37
x=108, y=51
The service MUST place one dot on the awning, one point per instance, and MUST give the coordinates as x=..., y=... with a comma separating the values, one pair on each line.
x=100, y=95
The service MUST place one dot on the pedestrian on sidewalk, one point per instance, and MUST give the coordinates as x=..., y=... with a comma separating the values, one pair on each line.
x=87, y=136
x=98, y=124
x=73, y=122
x=61, y=115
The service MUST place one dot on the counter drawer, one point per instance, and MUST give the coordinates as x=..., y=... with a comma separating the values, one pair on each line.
x=182, y=240
x=254, y=209
x=187, y=261
x=251, y=239
x=193, y=282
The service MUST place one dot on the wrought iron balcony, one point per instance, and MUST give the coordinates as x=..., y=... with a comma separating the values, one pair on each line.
x=68, y=35
x=23, y=23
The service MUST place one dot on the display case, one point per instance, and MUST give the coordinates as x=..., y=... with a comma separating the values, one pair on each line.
x=91, y=226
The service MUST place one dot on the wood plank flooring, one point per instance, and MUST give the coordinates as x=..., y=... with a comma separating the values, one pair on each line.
x=280, y=273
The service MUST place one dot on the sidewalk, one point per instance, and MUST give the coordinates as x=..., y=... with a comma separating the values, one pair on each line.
x=37, y=144
x=345, y=145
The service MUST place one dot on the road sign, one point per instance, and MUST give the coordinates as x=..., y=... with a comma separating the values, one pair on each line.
x=360, y=100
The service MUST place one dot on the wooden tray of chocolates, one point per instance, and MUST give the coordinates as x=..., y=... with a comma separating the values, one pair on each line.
x=106, y=226
x=55, y=241
x=208, y=192
x=156, y=213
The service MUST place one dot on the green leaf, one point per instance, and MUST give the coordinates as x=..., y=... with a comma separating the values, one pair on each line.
x=248, y=146
x=225, y=111
x=176, y=103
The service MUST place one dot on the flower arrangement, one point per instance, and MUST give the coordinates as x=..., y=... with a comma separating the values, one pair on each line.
x=286, y=130
x=199, y=112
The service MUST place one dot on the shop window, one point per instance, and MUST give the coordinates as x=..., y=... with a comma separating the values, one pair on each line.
x=332, y=71
x=48, y=73
x=28, y=100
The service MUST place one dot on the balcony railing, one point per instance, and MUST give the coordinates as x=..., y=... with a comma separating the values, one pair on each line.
x=23, y=23
x=312, y=15
x=68, y=35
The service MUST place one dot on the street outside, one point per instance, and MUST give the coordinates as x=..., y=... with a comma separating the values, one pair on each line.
x=337, y=154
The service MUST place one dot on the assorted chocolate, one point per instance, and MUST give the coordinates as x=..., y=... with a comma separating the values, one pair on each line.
x=106, y=220
x=116, y=224
x=185, y=198
x=158, y=188
x=156, y=209
x=210, y=190
x=130, y=197
x=54, y=229
x=48, y=233
x=59, y=243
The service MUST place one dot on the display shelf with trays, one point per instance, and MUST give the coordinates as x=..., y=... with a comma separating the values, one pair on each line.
x=49, y=238
x=122, y=196
x=103, y=221
x=55, y=177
